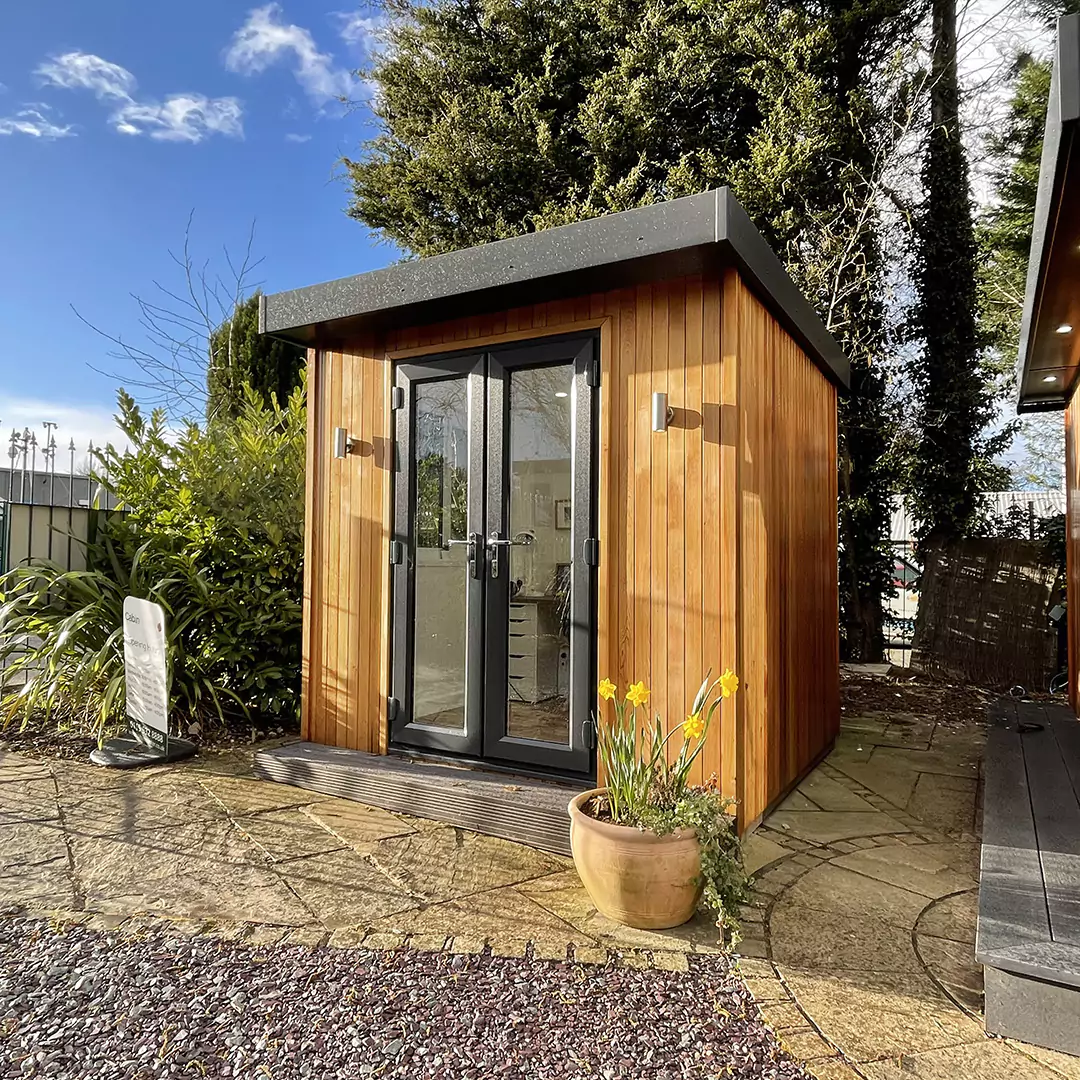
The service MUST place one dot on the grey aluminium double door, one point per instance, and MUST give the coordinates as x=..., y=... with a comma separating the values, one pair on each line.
x=494, y=554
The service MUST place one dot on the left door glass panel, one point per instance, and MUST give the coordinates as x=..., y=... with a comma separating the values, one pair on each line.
x=440, y=470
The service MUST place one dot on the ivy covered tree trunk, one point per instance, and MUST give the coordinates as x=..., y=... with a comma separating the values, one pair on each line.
x=952, y=462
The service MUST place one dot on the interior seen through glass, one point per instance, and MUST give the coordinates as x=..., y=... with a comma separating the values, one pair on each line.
x=441, y=459
x=539, y=463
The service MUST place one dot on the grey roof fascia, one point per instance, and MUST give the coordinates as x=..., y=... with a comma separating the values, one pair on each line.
x=1062, y=114
x=676, y=238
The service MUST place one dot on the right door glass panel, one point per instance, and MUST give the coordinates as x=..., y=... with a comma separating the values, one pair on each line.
x=440, y=515
x=540, y=474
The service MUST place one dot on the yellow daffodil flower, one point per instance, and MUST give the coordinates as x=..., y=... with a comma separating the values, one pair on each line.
x=693, y=726
x=729, y=683
x=606, y=689
x=637, y=695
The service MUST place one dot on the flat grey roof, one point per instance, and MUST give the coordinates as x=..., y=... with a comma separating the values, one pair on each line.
x=1049, y=354
x=681, y=237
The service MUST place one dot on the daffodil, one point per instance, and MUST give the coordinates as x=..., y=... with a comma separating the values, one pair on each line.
x=729, y=683
x=637, y=695
x=693, y=726
x=606, y=689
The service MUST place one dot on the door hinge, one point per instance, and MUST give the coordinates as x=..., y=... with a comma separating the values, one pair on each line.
x=588, y=733
x=592, y=551
x=397, y=397
x=592, y=371
x=397, y=552
x=393, y=707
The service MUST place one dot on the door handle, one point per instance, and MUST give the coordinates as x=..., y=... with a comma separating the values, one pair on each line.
x=495, y=541
x=474, y=543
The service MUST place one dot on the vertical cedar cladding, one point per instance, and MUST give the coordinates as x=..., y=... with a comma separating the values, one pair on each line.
x=718, y=538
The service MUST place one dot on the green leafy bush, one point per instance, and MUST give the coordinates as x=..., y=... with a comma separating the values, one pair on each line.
x=211, y=529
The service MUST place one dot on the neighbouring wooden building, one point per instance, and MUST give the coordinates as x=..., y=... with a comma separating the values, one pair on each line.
x=603, y=450
x=1029, y=917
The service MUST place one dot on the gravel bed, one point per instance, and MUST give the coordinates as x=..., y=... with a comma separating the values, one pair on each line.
x=78, y=1004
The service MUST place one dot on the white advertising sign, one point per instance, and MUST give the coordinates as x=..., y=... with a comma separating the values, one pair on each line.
x=145, y=671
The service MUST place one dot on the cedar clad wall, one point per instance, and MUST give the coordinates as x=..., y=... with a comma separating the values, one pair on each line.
x=789, y=644
x=751, y=414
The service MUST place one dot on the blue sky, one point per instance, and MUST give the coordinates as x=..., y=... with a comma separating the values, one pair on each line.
x=118, y=118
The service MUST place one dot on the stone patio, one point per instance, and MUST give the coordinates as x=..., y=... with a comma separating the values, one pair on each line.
x=858, y=942
x=213, y=850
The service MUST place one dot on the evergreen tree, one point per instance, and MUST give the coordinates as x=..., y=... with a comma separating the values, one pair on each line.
x=239, y=355
x=953, y=461
x=1004, y=236
x=502, y=117
x=1004, y=233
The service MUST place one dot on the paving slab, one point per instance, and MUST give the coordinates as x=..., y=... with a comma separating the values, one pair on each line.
x=759, y=851
x=945, y=802
x=34, y=866
x=1064, y=1065
x=834, y=888
x=26, y=795
x=442, y=864
x=205, y=869
x=934, y=870
x=357, y=825
x=952, y=917
x=344, y=889
x=888, y=781
x=239, y=795
x=496, y=914
x=564, y=896
x=804, y=938
x=944, y=762
x=874, y=1015
x=283, y=835
x=984, y=1060
x=828, y=794
x=953, y=965
x=823, y=827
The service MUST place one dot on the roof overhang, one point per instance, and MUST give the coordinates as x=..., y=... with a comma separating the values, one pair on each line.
x=685, y=236
x=1050, y=354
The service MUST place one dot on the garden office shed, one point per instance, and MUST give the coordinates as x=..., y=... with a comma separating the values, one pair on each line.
x=603, y=450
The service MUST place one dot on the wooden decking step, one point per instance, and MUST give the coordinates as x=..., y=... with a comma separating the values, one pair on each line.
x=522, y=809
x=1028, y=938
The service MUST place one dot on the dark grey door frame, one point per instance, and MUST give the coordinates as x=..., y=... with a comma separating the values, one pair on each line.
x=576, y=757
x=485, y=734
x=403, y=559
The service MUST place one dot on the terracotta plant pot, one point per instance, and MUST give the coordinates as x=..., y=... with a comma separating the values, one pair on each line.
x=634, y=876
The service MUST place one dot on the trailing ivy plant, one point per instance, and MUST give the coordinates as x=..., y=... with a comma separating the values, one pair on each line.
x=210, y=527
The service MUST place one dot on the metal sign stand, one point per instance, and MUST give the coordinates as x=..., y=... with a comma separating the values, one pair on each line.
x=146, y=684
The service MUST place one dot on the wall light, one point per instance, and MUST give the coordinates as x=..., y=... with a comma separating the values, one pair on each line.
x=1064, y=328
x=561, y=393
x=661, y=412
x=1049, y=378
x=343, y=443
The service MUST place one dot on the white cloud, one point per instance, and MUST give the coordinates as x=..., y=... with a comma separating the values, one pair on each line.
x=84, y=71
x=360, y=29
x=179, y=118
x=293, y=137
x=82, y=423
x=35, y=123
x=265, y=39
